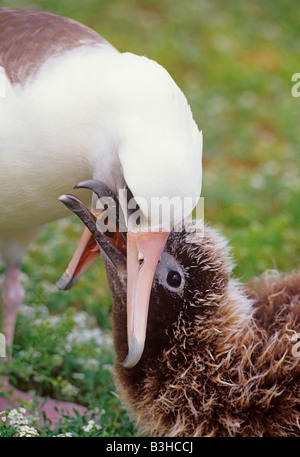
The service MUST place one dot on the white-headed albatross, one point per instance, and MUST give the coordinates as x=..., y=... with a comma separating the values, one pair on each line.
x=74, y=108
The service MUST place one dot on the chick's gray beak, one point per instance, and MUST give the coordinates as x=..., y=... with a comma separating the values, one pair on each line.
x=107, y=248
x=123, y=256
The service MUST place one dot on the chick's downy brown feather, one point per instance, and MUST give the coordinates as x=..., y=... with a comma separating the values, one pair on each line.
x=218, y=358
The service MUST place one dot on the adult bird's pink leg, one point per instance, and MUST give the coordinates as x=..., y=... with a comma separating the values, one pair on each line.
x=12, y=298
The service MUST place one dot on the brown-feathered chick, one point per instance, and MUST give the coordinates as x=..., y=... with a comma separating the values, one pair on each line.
x=220, y=358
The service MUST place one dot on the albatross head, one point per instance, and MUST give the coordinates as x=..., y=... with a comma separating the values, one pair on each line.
x=160, y=158
x=165, y=183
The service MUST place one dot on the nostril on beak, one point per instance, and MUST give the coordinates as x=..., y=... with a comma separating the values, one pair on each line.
x=141, y=258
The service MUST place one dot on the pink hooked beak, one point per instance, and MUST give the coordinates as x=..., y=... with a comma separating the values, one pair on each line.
x=143, y=253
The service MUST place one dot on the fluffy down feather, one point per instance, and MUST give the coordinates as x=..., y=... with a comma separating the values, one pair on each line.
x=219, y=358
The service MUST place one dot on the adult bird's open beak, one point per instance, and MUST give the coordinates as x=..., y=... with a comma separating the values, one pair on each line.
x=109, y=249
x=88, y=249
x=143, y=253
x=86, y=253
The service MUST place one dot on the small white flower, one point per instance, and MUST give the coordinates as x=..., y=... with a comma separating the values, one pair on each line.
x=27, y=431
x=16, y=417
x=86, y=428
x=52, y=321
x=12, y=413
x=69, y=389
x=27, y=311
x=108, y=367
x=37, y=378
x=64, y=435
x=78, y=375
x=56, y=360
x=81, y=318
x=90, y=426
x=89, y=364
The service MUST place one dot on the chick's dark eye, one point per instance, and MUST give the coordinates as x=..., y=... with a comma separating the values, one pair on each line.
x=174, y=278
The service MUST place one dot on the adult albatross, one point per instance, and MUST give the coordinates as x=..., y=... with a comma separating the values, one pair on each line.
x=73, y=108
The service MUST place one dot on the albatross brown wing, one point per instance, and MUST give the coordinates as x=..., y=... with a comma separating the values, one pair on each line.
x=29, y=37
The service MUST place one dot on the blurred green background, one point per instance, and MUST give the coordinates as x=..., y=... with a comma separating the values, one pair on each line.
x=234, y=61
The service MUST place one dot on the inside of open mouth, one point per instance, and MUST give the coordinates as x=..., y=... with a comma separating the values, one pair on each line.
x=100, y=226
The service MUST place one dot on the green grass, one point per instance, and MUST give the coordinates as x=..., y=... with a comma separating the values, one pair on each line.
x=234, y=61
